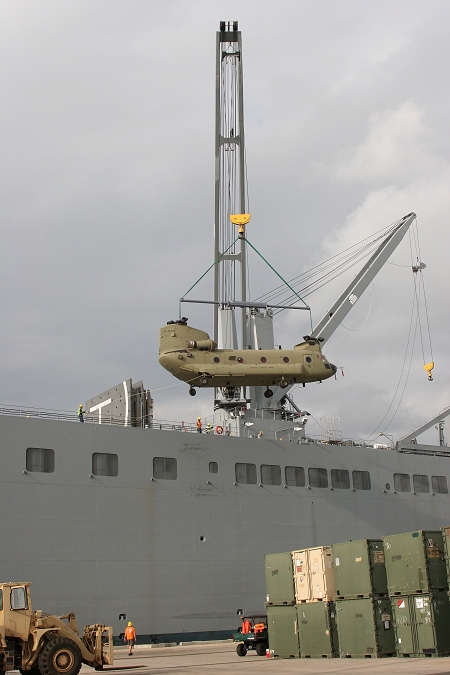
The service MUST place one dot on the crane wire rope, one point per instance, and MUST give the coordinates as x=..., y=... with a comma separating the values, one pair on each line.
x=355, y=330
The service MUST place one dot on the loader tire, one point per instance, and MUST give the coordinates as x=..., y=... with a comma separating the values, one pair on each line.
x=60, y=656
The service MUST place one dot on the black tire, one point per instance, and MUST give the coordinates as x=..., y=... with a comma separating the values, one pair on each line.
x=60, y=656
x=192, y=391
x=268, y=393
x=241, y=649
x=261, y=648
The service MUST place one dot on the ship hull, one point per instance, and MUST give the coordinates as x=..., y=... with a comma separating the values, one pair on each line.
x=182, y=555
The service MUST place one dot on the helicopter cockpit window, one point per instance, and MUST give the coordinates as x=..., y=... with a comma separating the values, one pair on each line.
x=19, y=598
x=1, y=599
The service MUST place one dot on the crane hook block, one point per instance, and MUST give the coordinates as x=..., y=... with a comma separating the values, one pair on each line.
x=240, y=218
x=429, y=368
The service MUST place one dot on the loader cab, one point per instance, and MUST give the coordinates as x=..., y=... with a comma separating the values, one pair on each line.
x=15, y=610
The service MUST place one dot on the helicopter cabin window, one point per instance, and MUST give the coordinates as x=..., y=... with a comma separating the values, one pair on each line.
x=361, y=480
x=19, y=598
x=105, y=464
x=318, y=478
x=421, y=483
x=340, y=479
x=1, y=599
x=165, y=468
x=245, y=473
x=41, y=460
x=402, y=482
x=439, y=485
x=270, y=474
x=295, y=476
x=213, y=467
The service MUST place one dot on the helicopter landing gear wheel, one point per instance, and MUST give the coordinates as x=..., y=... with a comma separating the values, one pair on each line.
x=192, y=391
x=268, y=393
x=283, y=384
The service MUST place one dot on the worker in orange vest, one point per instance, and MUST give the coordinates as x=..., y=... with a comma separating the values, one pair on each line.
x=246, y=627
x=130, y=637
x=199, y=425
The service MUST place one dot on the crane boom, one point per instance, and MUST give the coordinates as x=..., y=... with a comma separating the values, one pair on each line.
x=334, y=317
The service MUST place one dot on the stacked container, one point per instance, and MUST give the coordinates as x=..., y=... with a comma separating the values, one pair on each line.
x=282, y=620
x=314, y=595
x=418, y=587
x=363, y=608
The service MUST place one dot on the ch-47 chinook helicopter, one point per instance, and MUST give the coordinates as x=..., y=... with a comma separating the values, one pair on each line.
x=192, y=356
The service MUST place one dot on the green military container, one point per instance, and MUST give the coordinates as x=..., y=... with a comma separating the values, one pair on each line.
x=415, y=562
x=318, y=630
x=365, y=628
x=446, y=541
x=279, y=579
x=359, y=570
x=421, y=624
x=282, y=626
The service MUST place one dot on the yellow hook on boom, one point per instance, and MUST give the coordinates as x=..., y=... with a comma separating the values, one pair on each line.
x=429, y=367
x=240, y=219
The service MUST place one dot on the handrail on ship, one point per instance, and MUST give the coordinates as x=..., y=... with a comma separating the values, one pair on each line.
x=166, y=425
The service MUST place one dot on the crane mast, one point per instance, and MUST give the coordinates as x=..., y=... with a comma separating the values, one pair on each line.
x=230, y=196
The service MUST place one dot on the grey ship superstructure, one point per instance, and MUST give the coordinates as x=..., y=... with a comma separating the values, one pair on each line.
x=122, y=517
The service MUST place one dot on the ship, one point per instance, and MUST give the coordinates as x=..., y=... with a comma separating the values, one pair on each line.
x=126, y=518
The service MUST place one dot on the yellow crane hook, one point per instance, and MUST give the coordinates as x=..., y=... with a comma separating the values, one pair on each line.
x=429, y=367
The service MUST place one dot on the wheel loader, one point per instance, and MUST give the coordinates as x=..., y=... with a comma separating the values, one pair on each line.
x=37, y=643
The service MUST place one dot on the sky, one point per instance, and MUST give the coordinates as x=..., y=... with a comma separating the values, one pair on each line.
x=107, y=180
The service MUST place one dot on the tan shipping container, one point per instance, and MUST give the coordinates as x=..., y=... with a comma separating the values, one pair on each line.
x=300, y=568
x=321, y=573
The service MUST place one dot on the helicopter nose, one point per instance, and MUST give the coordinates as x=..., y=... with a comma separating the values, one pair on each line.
x=333, y=368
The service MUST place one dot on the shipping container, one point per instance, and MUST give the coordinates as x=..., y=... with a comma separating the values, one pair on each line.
x=282, y=626
x=365, y=628
x=421, y=624
x=321, y=573
x=302, y=582
x=318, y=630
x=415, y=562
x=279, y=579
x=359, y=570
x=446, y=542
x=313, y=574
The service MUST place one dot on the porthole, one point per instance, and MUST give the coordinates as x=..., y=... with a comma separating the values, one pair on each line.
x=202, y=538
x=240, y=359
x=263, y=359
x=285, y=359
x=216, y=359
x=387, y=486
x=308, y=359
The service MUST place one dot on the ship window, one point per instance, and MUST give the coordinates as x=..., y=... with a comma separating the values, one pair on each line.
x=340, y=479
x=361, y=480
x=245, y=473
x=40, y=459
x=19, y=598
x=165, y=468
x=213, y=467
x=295, y=476
x=439, y=485
x=270, y=474
x=105, y=464
x=421, y=483
x=318, y=478
x=402, y=482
